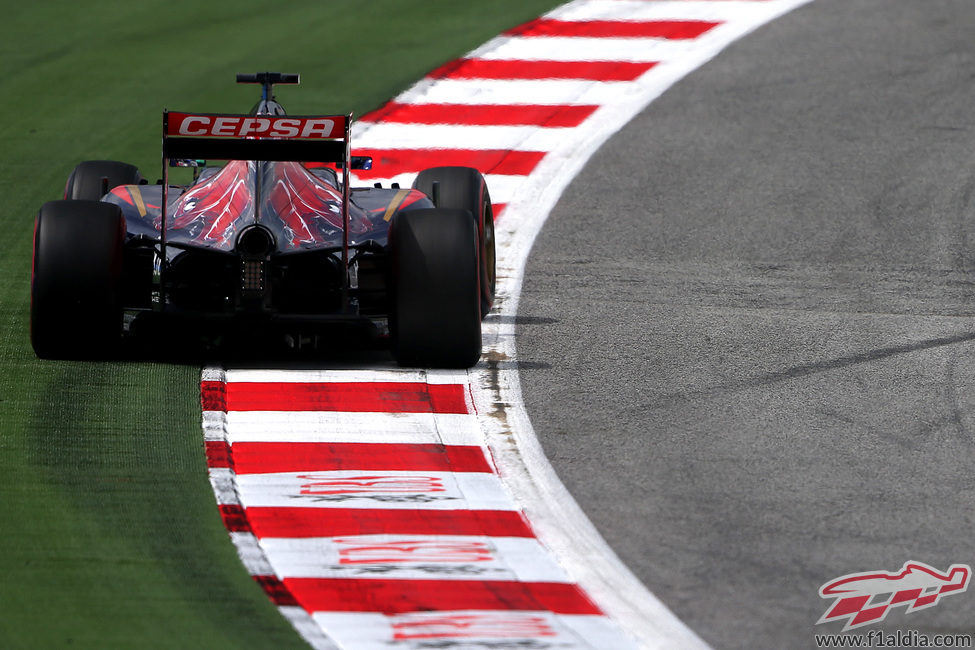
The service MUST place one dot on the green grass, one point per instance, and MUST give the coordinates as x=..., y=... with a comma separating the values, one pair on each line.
x=110, y=535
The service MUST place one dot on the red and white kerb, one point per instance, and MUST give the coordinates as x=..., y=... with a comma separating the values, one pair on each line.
x=372, y=511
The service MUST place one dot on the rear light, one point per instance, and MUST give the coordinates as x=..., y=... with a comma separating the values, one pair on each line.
x=252, y=273
x=255, y=243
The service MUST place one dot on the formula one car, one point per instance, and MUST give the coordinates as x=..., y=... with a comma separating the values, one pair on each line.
x=275, y=241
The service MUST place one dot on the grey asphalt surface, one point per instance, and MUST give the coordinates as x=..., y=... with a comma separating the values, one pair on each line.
x=747, y=331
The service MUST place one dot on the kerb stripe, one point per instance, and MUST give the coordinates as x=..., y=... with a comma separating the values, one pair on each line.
x=213, y=395
x=280, y=457
x=218, y=453
x=335, y=522
x=379, y=397
x=235, y=517
x=276, y=591
x=556, y=115
x=401, y=596
x=512, y=69
x=392, y=162
x=670, y=29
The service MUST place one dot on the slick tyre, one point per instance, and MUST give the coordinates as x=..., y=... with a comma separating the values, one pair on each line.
x=93, y=179
x=435, y=310
x=464, y=188
x=75, y=309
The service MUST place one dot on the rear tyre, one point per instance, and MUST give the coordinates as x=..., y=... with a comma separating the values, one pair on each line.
x=464, y=188
x=93, y=179
x=435, y=310
x=75, y=309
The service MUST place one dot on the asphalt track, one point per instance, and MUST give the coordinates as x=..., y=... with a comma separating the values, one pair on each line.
x=746, y=331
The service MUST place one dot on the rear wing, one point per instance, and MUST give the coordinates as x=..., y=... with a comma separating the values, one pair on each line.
x=322, y=138
x=256, y=137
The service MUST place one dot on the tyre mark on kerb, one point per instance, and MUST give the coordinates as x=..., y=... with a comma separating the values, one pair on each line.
x=363, y=499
